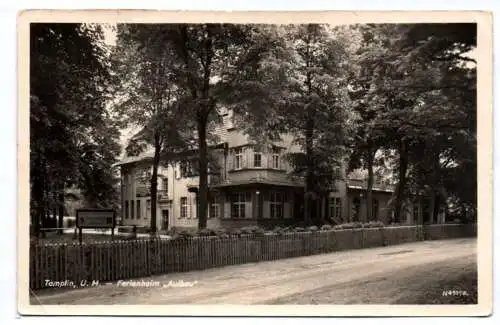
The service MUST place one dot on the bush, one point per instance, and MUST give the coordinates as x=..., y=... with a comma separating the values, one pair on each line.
x=326, y=227
x=220, y=231
x=312, y=228
x=246, y=230
x=235, y=232
x=252, y=230
x=70, y=223
x=373, y=224
x=350, y=225
x=186, y=234
x=169, y=232
x=299, y=229
x=207, y=232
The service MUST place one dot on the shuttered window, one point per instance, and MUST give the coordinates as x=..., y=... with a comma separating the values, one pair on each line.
x=148, y=209
x=184, y=207
x=275, y=158
x=238, y=204
x=276, y=205
x=214, y=211
x=257, y=159
x=238, y=158
x=335, y=207
x=375, y=206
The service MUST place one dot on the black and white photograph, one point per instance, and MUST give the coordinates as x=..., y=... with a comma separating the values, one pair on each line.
x=288, y=163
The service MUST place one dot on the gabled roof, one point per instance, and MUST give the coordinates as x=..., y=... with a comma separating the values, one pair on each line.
x=361, y=184
x=148, y=155
x=261, y=181
x=145, y=156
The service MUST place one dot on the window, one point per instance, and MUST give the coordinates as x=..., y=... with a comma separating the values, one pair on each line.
x=126, y=209
x=185, y=168
x=276, y=158
x=356, y=206
x=276, y=205
x=138, y=216
x=132, y=210
x=416, y=212
x=238, y=158
x=228, y=119
x=165, y=185
x=238, y=205
x=184, y=207
x=257, y=159
x=214, y=211
x=335, y=207
x=148, y=208
x=194, y=207
x=188, y=168
x=375, y=209
x=337, y=173
x=143, y=174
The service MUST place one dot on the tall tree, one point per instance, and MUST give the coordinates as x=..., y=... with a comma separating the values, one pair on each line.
x=314, y=98
x=367, y=136
x=149, y=96
x=218, y=68
x=450, y=106
x=415, y=69
x=68, y=92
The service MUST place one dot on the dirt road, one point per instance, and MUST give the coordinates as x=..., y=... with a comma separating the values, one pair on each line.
x=386, y=275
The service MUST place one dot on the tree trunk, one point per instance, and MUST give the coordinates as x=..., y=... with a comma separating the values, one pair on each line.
x=203, y=164
x=37, y=195
x=45, y=199
x=154, y=184
x=400, y=191
x=309, y=133
x=435, y=186
x=437, y=206
x=369, y=187
x=60, y=219
x=324, y=208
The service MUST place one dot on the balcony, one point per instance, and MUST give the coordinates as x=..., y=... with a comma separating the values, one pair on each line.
x=142, y=190
x=163, y=196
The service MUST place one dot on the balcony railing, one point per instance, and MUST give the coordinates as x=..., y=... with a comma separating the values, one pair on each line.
x=144, y=191
x=163, y=196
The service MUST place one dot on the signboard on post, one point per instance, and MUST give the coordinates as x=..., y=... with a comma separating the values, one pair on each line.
x=95, y=218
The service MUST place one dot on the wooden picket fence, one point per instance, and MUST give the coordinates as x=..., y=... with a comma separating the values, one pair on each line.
x=119, y=259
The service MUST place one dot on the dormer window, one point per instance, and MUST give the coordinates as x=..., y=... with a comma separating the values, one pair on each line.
x=257, y=159
x=275, y=158
x=188, y=168
x=238, y=158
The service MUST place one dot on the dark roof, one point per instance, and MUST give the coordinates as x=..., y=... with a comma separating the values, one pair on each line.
x=148, y=156
x=261, y=181
x=361, y=184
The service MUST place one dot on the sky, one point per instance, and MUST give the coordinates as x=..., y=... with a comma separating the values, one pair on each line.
x=109, y=35
x=127, y=133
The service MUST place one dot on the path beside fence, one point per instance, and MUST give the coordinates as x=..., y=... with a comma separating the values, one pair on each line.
x=110, y=261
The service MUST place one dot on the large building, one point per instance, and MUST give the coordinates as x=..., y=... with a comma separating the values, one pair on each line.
x=249, y=185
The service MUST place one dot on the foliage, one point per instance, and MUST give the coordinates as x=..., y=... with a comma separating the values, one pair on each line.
x=310, y=105
x=218, y=64
x=148, y=96
x=72, y=135
x=422, y=85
